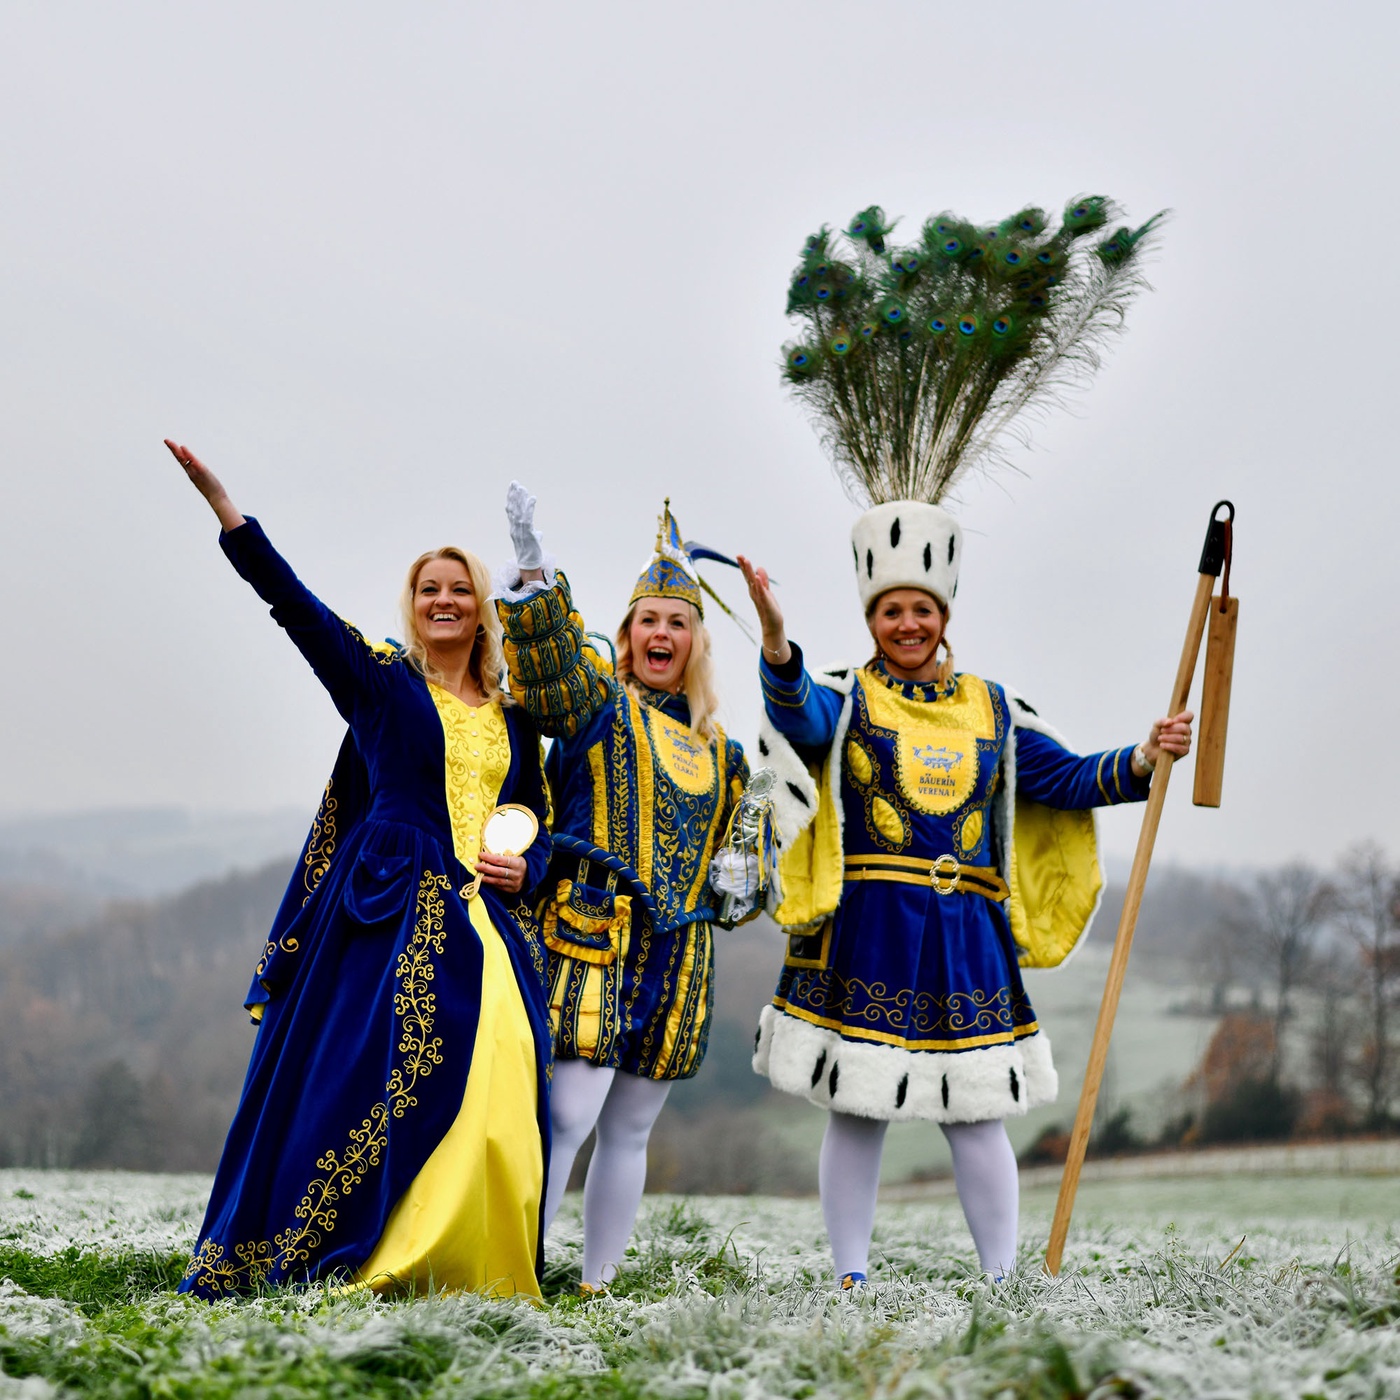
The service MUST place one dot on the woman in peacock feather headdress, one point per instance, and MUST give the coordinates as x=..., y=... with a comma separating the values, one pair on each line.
x=936, y=834
x=644, y=783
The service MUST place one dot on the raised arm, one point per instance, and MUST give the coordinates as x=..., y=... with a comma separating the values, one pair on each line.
x=1048, y=773
x=776, y=647
x=556, y=674
x=208, y=485
x=803, y=713
x=343, y=661
x=526, y=540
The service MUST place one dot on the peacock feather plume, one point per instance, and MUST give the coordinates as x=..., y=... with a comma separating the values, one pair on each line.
x=915, y=360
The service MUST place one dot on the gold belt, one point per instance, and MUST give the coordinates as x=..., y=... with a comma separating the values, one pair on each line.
x=946, y=875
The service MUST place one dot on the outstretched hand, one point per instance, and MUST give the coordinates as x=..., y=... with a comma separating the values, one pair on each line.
x=770, y=615
x=207, y=484
x=1171, y=734
x=520, y=515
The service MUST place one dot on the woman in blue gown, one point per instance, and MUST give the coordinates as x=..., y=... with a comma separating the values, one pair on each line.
x=393, y=1126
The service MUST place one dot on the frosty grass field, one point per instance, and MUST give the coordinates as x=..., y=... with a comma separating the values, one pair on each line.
x=730, y=1297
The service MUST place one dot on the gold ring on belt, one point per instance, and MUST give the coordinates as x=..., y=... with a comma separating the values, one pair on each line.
x=946, y=874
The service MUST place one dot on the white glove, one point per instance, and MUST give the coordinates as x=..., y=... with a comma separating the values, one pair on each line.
x=734, y=872
x=735, y=875
x=520, y=515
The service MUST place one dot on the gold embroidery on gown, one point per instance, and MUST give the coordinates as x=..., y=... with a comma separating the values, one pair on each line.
x=470, y=1219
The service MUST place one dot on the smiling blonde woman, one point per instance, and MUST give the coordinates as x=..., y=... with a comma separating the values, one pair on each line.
x=644, y=783
x=391, y=1132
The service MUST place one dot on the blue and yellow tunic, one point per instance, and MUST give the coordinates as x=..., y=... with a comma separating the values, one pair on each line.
x=935, y=839
x=641, y=804
x=393, y=1127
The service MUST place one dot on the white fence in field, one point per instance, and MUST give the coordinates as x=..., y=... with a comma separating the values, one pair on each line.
x=1379, y=1157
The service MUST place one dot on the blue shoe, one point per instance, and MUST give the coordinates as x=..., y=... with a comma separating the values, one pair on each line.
x=852, y=1281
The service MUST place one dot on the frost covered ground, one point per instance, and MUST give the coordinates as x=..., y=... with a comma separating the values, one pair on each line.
x=1230, y=1288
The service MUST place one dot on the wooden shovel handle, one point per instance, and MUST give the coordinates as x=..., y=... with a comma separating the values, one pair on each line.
x=1123, y=943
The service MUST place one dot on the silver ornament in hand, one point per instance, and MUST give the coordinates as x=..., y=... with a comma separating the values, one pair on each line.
x=744, y=869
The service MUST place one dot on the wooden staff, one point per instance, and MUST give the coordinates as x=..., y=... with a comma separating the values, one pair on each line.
x=1212, y=558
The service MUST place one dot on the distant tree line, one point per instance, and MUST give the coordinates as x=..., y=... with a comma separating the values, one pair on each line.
x=1302, y=967
x=1317, y=1049
x=122, y=1039
x=123, y=1042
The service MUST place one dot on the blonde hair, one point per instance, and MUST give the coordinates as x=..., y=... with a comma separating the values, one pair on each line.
x=698, y=682
x=944, y=673
x=487, y=666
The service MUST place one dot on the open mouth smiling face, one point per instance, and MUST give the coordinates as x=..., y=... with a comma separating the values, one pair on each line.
x=661, y=637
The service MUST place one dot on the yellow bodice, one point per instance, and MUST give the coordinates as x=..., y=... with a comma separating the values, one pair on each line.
x=477, y=747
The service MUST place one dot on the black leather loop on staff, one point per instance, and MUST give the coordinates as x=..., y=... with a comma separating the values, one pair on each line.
x=1217, y=546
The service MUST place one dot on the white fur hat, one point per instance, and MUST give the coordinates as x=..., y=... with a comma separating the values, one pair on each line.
x=907, y=544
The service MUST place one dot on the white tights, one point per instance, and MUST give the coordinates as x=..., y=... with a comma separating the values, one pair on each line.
x=984, y=1168
x=623, y=1108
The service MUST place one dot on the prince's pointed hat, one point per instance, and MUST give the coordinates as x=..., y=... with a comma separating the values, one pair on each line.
x=670, y=573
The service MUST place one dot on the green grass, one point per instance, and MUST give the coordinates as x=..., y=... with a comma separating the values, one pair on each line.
x=93, y=1280
x=732, y=1298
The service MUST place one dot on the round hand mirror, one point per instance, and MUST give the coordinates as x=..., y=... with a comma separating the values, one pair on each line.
x=510, y=830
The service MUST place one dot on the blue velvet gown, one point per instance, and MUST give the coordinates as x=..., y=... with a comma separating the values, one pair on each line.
x=388, y=1004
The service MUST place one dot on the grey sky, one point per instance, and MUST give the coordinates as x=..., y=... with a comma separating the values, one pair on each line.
x=373, y=262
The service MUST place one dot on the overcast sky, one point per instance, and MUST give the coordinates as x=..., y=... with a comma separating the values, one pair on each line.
x=373, y=261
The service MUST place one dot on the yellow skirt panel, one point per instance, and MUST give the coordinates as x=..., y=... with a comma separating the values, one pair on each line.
x=469, y=1220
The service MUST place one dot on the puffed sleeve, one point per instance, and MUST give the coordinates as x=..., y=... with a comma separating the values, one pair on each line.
x=556, y=674
x=804, y=713
x=344, y=662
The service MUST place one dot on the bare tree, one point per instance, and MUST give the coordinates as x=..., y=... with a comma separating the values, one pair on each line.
x=1333, y=981
x=1368, y=911
x=1222, y=953
x=1280, y=923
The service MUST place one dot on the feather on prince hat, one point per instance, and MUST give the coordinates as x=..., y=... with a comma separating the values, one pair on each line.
x=670, y=572
x=915, y=360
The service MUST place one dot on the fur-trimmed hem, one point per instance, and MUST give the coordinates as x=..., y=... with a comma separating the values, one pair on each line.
x=884, y=1081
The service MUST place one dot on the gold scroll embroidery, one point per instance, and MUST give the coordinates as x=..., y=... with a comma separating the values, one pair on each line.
x=415, y=1004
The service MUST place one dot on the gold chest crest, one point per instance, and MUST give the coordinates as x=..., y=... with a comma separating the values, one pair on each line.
x=935, y=745
x=685, y=758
